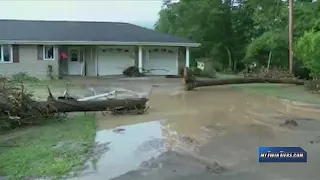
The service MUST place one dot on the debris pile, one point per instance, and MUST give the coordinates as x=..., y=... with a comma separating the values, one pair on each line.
x=215, y=168
x=18, y=107
x=313, y=86
x=132, y=71
x=264, y=72
x=290, y=123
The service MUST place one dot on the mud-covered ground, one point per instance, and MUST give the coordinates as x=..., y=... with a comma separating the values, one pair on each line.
x=209, y=133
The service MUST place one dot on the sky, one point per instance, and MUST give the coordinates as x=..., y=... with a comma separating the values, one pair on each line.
x=82, y=10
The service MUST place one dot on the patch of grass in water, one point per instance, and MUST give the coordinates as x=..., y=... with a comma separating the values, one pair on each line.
x=291, y=92
x=50, y=150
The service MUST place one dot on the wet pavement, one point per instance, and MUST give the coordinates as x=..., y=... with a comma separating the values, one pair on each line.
x=209, y=133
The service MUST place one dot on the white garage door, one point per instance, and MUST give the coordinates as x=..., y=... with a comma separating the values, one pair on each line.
x=112, y=61
x=163, y=61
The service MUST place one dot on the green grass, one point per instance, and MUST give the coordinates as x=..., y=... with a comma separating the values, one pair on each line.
x=50, y=150
x=290, y=92
x=59, y=83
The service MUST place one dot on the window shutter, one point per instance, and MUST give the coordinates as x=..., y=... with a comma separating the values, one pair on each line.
x=40, y=52
x=15, y=54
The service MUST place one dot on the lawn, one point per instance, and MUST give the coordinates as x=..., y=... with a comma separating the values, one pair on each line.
x=291, y=92
x=49, y=150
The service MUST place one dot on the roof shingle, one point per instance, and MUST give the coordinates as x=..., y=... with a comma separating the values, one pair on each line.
x=34, y=30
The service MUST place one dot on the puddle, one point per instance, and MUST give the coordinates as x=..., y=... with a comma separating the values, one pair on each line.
x=212, y=124
x=129, y=149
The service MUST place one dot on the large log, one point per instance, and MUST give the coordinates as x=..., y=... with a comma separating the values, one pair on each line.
x=65, y=105
x=191, y=82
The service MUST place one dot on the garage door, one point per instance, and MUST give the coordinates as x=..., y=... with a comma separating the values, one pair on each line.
x=112, y=61
x=163, y=61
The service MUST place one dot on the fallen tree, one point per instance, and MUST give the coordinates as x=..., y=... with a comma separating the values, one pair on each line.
x=191, y=82
x=66, y=104
x=18, y=107
x=116, y=106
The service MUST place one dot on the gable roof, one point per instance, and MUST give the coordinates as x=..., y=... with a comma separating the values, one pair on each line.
x=84, y=32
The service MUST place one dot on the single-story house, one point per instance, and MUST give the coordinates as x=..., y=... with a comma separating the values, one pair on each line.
x=88, y=48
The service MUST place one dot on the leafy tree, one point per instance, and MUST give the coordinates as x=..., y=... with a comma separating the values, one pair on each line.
x=236, y=32
x=306, y=48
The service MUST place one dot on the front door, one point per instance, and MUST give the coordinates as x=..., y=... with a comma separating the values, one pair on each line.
x=74, y=61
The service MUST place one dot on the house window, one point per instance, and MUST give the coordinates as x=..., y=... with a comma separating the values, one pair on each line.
x=48, y=52
x=6, y=54
x=74, y=55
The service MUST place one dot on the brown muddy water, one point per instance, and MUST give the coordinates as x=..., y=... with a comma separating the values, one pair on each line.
x=209, y=133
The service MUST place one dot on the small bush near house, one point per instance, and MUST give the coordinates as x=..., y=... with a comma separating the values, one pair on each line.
x=23, y=76
x=50, y=72
x=132, y=71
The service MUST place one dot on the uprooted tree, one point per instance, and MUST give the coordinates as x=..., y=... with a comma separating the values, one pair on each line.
x=19, y=107
x=191, y=82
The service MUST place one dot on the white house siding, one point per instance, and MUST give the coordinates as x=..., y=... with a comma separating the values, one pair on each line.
x=29, y=63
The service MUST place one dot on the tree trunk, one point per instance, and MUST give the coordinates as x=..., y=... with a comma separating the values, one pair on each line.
x=59, y=105
x=234, y=66
x=229, y=57
x=190, y=82
x=269, y=59
x=215, y=82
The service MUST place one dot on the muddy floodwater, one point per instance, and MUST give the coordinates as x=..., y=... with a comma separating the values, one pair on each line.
x=209, y=133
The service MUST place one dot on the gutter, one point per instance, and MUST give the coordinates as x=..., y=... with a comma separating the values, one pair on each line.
x=100, y=43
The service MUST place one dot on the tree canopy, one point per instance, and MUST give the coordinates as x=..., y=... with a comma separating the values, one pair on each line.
x=237, y=32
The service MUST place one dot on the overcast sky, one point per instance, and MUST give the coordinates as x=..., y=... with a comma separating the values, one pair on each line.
x=83, y=10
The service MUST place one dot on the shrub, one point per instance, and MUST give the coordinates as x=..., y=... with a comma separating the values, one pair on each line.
x=23, y=76
x=50, y=72
x=132, y=71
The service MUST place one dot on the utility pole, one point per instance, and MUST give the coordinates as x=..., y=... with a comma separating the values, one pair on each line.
x=290, y=35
